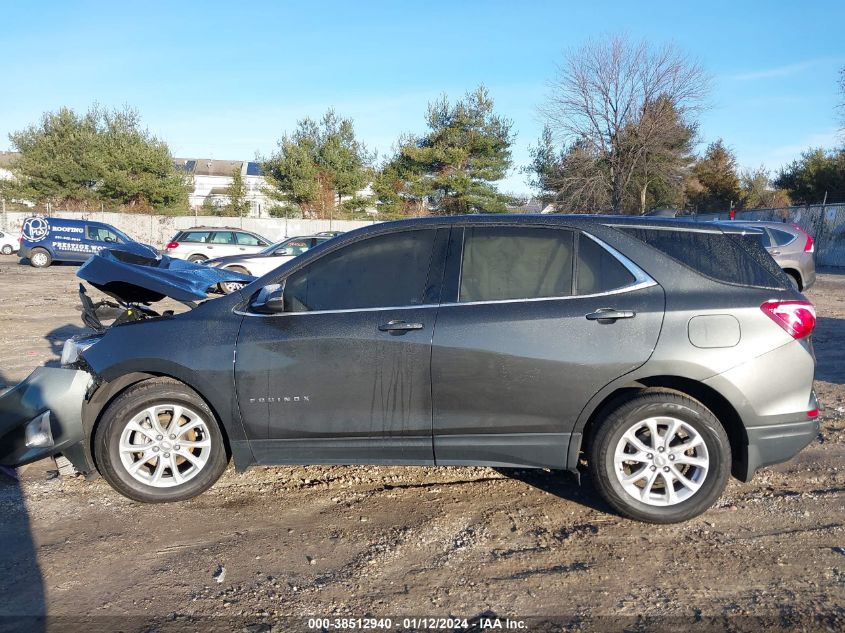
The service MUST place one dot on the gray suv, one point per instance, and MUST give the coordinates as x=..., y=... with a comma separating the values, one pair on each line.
x=651, y=349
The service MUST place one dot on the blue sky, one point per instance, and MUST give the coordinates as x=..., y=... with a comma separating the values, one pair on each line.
x=226, y=79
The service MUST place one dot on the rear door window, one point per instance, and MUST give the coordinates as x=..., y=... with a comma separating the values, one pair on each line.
x=385, y=271
x=222, y=237
x=598, y=270
x=200, y=237
x=505, y=263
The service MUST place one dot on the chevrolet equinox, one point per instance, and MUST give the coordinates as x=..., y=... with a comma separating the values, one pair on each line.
x=653, y=350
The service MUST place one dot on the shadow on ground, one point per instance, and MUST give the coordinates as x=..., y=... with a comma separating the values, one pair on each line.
x=22, y=603
x=561, y=484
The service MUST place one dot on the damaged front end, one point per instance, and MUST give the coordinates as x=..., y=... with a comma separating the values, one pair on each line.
x=43, y=415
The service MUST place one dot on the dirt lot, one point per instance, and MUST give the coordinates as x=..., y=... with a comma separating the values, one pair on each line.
x=380, y=541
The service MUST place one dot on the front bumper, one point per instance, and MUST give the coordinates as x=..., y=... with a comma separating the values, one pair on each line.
x=58, y=393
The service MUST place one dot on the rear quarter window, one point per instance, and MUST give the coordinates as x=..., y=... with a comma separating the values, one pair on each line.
x=782, y=238
x=194, y=236
x=731, y=259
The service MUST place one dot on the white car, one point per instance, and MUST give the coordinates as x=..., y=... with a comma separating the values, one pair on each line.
x=207, y=242
x=271, y=257
x=9, y=243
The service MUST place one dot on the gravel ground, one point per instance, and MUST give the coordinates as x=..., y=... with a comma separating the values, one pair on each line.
x=472, y=543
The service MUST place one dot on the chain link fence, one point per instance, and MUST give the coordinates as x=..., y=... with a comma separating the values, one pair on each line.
x=826, y=223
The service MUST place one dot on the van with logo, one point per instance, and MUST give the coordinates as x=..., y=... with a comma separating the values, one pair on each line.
x=48, y=240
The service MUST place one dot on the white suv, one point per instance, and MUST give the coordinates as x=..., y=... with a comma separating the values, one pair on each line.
x=205, y=242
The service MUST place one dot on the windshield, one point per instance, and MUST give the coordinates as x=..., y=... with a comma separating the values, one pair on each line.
x=122, y=235
x=294, y=246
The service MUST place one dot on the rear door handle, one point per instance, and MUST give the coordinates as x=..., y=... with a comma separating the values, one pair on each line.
x=399, y=327
x=609, y=315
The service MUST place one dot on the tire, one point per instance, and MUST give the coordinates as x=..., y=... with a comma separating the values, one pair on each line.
x=40, y=258
x=229, y=287
x=8, y=250
x=127, y=421
x=616, y=460
x=196, y=258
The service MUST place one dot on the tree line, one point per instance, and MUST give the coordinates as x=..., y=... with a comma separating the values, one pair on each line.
x=621, y=128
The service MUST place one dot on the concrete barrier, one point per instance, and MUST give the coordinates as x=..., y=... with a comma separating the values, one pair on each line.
x=157, y=230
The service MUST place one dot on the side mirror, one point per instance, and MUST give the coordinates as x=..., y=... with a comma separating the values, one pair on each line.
x=281, y=251
x=269, y=300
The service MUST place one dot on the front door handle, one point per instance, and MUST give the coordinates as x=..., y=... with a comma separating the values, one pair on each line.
x=399, y=327
x=609, y=315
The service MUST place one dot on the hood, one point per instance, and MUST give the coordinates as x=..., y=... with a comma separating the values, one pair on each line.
x=137, y=248
x=137, y=278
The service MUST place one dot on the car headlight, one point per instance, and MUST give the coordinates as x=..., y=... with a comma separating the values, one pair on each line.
x=73, y=347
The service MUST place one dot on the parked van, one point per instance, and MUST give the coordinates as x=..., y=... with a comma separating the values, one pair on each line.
x=48, y=240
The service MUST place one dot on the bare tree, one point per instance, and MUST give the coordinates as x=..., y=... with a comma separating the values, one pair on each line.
x=841, y=106
x=621, y=101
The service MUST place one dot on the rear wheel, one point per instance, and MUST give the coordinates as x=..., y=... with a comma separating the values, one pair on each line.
x=196, y=259
x=40, y=258
x=7, y=249
x=158, y=442
x=229, y=287
x=661, y=458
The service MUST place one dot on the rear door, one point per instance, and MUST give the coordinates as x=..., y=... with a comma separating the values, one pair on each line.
x=220, y=244
x=535, y=321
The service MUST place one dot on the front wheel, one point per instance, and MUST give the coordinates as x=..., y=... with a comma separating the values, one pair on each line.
x=158, y=442
x=7, y=249
x=40, y=258
x=661, y=458
x=228, y=287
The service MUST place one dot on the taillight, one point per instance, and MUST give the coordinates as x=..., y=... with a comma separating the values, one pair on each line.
x=172, y=245
x=808, y=245
x=798, y=318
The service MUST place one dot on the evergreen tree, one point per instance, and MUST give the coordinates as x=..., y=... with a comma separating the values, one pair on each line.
x=318, y=164
x=544, y=170
x=102, y=157
x=817, y=172
x=238, y=204
x=453, y=167
x=716, y=181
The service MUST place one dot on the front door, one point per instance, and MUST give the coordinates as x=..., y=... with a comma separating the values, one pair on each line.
x=344, y=374
x=520, y=349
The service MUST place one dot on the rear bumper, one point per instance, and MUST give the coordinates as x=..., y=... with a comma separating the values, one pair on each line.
x=50, y=399
x=774, y=444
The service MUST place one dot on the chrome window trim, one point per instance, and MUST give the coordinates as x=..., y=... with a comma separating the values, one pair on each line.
x=641, y=281
x=344, y=311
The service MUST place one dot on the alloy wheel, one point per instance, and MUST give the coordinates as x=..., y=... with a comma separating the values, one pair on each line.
x=165, y=445
x=661, y=461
